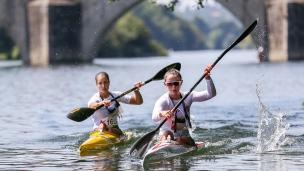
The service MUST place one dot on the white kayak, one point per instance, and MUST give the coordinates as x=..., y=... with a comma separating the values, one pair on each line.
x=164, y=150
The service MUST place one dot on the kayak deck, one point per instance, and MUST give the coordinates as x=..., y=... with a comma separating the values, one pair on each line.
x=99, y=141
x=164, y=150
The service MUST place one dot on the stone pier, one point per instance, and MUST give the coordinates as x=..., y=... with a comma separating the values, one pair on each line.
x=54, y=31
x=58, y=31
x=286, y=37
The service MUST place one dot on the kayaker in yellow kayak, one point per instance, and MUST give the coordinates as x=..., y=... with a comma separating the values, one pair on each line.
x=106, y=118
x=177, y=124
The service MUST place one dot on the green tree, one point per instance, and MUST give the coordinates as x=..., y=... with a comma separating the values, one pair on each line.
x=130, y=38
x=176, y=33
x=8, y=50
x=202, y=25
x=169, y=30
x=223, y=35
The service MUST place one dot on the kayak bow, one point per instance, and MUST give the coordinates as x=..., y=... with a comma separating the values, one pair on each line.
x=99, y=141
x=165, y=150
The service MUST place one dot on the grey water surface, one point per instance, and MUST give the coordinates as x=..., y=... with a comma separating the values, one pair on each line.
x=256, y=121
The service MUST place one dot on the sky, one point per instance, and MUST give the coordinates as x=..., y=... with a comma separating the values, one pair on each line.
x=191, y=4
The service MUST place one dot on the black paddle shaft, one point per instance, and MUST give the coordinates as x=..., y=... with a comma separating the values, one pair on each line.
x=157, y=76
x=242, y=36
x=143, y=141
x=80, y=114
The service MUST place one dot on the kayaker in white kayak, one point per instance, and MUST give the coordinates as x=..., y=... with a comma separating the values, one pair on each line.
x=176, y=127
x=106, y=118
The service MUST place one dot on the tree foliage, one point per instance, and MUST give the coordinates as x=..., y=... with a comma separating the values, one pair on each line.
x=171, y=5
x=130, y=38
x=8, y=50
x=149, y=29
x=171, y=31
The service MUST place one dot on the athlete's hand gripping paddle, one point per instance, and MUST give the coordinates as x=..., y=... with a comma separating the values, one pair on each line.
x=82, y=113
x=140, y=147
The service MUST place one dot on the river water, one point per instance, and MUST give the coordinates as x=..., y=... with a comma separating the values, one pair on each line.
x=255, y=122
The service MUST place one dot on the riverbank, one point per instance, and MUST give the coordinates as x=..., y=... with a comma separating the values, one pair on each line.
x=4, y=64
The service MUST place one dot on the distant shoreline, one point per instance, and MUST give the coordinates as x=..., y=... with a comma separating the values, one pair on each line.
x=13, y=63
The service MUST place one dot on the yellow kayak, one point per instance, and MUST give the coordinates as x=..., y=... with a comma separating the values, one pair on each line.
x=102, y=141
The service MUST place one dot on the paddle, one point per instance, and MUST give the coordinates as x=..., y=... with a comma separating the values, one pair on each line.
x=80, y=114
x=141, y=145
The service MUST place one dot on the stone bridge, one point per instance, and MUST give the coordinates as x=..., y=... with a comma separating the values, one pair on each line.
x=56, y=31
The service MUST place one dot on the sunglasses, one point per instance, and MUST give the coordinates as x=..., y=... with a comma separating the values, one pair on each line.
x=175, y=83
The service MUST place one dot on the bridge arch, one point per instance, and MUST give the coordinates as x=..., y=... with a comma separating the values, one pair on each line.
x=13, y=20
x=92, y=38
x=247, y=11
x=282, y=25
x=94, y=29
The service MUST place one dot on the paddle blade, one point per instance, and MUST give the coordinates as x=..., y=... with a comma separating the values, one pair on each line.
x=141, y=146
x=80, y=114
x=161, y=73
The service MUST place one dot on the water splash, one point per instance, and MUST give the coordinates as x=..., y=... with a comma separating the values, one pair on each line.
x=272, y=129
x=193, y=125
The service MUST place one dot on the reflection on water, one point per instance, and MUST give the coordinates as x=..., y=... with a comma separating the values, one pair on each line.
x=269, y=161
x=36, y=135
